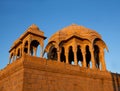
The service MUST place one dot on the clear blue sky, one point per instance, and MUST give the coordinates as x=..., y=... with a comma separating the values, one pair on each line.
x=52, y=15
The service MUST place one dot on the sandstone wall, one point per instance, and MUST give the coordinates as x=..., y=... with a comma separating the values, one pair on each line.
x=38, y=74
x=11, y=77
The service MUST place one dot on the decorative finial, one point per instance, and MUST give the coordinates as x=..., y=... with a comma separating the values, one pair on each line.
x=33, y=26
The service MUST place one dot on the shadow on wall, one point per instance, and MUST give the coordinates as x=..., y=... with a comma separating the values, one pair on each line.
x=115, y=81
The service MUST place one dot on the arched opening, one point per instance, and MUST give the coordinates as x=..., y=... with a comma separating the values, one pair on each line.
x=45, y=55
x=90, y=64
x=26, y=47
x=33, y=47
x=52, y=53
x=11, y=58
x=71, y=55
x=38, y=51
x=88, y=57
x=18, y=53
x=79, y=56
x=62, y=55
x=100, y=66
x=96, y=55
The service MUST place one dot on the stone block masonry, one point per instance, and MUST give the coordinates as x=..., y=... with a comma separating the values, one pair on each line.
x=31, y=73
x=75, y=62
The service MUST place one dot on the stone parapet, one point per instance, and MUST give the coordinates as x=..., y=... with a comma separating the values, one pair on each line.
x=30, y=73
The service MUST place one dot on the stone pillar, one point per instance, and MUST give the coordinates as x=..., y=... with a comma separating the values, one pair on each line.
x=92, y=57
x=14, y=55
x=10, y=58
x=66, y=55
x=28, y=48
x=75, y=55
x=34, y=51
x=41, y=49
x=84, y=56
x=22, y=49
x=102, y=60
x=58, y=55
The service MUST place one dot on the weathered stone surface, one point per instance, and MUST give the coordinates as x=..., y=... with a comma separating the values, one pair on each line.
x=75, y=62
x=30, y=74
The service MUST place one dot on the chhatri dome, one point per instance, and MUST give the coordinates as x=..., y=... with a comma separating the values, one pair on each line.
x=75, y=61
x=74, y=30
x=77, y=45
x=74, y=44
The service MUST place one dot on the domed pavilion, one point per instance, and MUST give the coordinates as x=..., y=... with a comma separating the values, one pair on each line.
x=77, y=45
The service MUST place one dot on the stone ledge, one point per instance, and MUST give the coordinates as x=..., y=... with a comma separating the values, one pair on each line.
x=11, y=68
x=42, y=64
x=63, y=68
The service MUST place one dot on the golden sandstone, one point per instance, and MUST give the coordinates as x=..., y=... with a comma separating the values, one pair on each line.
x=75, y=62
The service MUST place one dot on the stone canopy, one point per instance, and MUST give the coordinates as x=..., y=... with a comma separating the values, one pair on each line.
x=73, y=44
x=76, y=44
x=33, y=29
x=75, y=30
x=73, y=60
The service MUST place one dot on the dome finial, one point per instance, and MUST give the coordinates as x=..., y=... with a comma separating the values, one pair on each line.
x=33, y=26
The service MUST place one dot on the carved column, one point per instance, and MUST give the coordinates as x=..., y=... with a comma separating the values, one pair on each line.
x=101, y=55
x=75, y=54
x=14, y=55
x=84, y=58
x=17, y=53
x=66, y=55
x=41, y=50
x=92, y=57
x=22, y=49
x=58, y=55
x=10, y=58
x=28, y=48
x=34, y=51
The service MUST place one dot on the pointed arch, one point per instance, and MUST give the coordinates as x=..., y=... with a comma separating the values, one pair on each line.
x=53, y=43
x=18, y=53
x=96, y=55
x=26, y=47
x=62, y=55
x=33, y=47
x=79, y=56
x=52, y=54
x=11, y=58
x=71, y=55
x=88, y=56
x=38, y=51
x=100, y=42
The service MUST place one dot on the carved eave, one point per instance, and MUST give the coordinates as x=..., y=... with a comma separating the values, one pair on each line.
x=16, y=43
x=33, y=29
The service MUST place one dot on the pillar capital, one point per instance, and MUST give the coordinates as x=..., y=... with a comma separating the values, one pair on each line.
x=83, y=51
x=91, y=48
